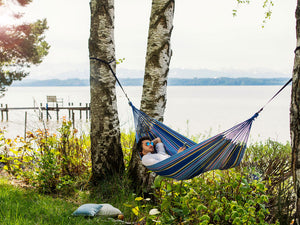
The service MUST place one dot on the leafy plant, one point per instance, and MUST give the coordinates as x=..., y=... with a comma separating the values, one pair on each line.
x=259, y=191
x=127, y=141
x=271, y=162
x=48, y=161
x=216, y=197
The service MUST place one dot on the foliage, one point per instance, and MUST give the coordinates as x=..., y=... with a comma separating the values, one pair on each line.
x=271, y=162
x=21, y=2
x=21, y=46
x=217, y=197
x=258, y=192
x=127, y=141
x=267, y=5
x=49, y=162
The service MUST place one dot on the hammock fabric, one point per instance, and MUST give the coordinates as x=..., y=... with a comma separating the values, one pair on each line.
x=222, y=151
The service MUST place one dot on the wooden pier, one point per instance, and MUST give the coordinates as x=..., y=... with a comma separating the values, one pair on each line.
x=44, y=111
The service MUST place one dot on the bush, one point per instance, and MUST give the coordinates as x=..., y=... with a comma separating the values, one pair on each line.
x=271, y=162
x=48, y=161
x=216, y=197
x=259, y=191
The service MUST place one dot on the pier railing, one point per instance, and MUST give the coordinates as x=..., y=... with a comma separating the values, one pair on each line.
x=44, y=111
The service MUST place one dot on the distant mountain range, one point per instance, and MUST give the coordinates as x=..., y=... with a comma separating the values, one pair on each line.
x=84, y=73
x=219, y=81
x=205, y=73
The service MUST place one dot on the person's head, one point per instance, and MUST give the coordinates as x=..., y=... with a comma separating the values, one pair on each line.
x=145, y=145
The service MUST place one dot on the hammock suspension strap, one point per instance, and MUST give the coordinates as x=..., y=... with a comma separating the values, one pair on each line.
x=286, y=84
x=112, y=71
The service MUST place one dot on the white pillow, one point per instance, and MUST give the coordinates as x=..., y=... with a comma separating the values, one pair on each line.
x=87, y=210
x=108, y=210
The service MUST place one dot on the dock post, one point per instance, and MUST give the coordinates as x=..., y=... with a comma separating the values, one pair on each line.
x=6, y=109
x=86, y=112
x=80, y=114
x=72, y=109
x=41, y=111
x=25, y=126
x=73, y=119
x=1, y=112
x=57, y=116
x=47, y=113
x=69, y=104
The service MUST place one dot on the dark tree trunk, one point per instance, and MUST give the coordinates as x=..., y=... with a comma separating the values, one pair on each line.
x=295, y=117
x=155, y=79
x=107, y=156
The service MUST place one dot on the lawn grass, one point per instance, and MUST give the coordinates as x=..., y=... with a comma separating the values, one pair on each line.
x=25, y=206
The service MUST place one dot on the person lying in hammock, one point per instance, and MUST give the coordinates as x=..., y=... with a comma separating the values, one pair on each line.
x=147, y=148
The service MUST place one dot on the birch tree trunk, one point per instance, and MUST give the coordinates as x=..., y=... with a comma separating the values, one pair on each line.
x=154, y=94
x=295, y=116
x=107, y=156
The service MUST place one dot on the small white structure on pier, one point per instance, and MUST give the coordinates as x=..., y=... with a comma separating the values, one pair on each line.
x=54, y=100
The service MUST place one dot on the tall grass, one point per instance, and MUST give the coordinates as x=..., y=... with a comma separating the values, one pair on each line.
x=26, y=206
x=257, y=192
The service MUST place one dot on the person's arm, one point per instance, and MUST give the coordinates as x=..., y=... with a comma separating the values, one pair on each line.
x=149, y=160
x=156, y=140
x=160, y=148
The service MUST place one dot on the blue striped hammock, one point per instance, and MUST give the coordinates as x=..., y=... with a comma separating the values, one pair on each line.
x=222, y=151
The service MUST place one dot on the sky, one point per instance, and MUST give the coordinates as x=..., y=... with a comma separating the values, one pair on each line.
x=205, y=36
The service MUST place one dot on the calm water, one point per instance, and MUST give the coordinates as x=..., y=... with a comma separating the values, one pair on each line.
x=196, y=110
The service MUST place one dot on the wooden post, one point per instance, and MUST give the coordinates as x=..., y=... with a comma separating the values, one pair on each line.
x=47, y=113
x=1, y=112
x=57, y=116
x=80, y=114
x=25, y=125
x=69, y=104
x=6, y=109
x=86, y=112
x=73, y=119
x=72, y=109
x=41, y=111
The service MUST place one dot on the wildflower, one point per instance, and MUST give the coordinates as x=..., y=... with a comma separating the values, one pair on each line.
x=154, y=212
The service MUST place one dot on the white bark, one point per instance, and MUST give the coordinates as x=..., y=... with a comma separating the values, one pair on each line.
x=158, y=59
x=155, y=80
x=107, y=156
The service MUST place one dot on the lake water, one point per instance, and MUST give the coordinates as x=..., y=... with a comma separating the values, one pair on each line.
x=191, y=110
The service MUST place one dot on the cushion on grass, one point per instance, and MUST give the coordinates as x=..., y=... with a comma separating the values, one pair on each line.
x=87, y=210
x=108, y=210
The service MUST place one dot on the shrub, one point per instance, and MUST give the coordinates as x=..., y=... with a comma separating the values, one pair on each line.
x=216, y=197
x=127, y=142
x=271, y=162
x=48, y=161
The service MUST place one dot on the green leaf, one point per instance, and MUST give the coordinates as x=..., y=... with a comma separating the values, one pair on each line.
x=205, y=218
x=201, y=207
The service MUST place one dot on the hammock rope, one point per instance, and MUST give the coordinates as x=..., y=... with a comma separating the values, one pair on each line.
x=222, y=151
x=113, y=72
x=286, y=84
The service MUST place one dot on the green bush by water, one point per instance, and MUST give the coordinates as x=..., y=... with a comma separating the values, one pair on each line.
x=257, y=192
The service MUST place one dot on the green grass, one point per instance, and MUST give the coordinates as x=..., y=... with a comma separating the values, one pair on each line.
x=23, y=206
x=192, y=202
